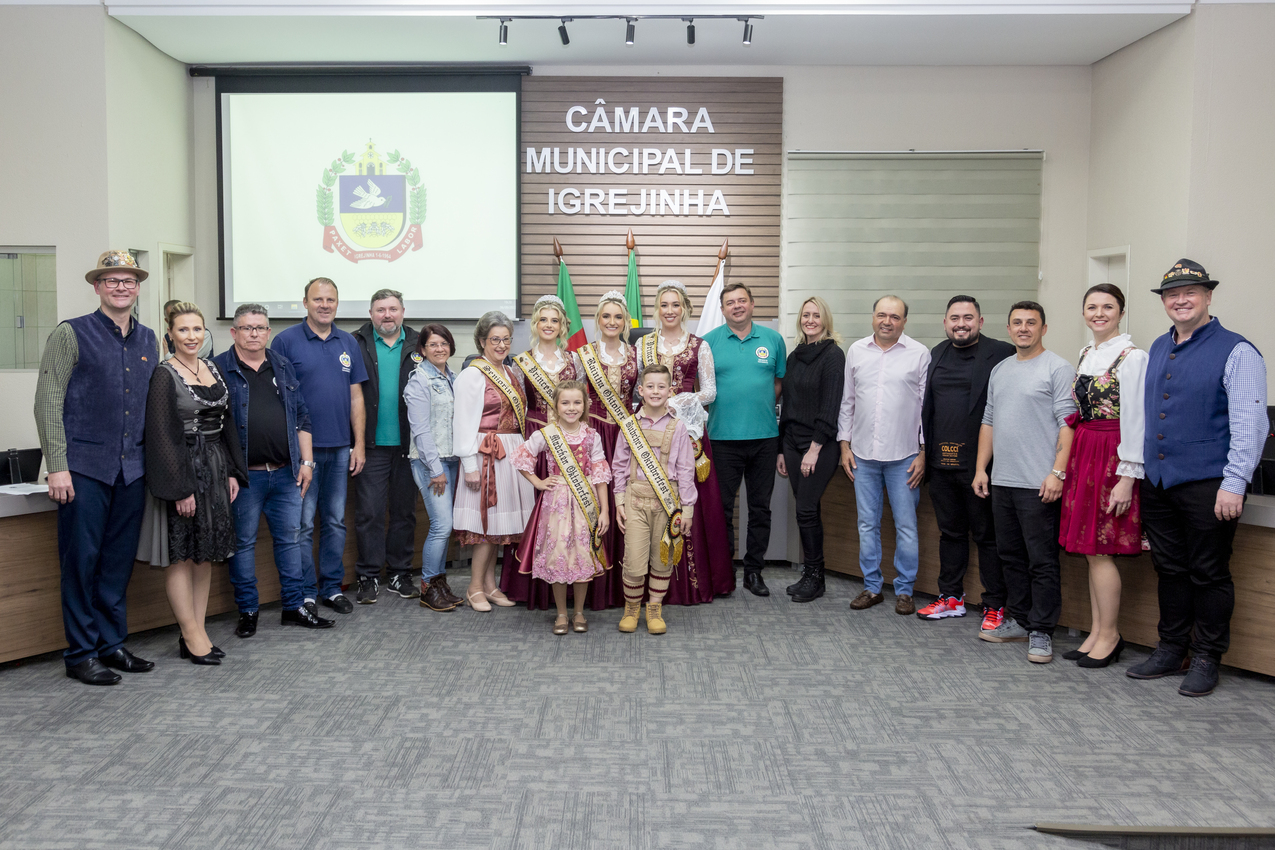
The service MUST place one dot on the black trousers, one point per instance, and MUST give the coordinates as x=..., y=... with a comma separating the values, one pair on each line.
x=962, y=515
x=753, y=462
x=97, y=542
x=385, y=484
x=1191, y=553
x=808, y=492
x=1027, y=542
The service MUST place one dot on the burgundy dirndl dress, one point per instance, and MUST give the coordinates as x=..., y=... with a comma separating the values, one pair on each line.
x=706, y=569
x=1087, y=528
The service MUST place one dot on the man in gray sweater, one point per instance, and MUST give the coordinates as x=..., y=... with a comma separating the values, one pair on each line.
x=1025, y=427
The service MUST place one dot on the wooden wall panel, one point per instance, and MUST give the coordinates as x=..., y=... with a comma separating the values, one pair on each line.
x=1252, y=626
x=746, y=113
x=30, y=591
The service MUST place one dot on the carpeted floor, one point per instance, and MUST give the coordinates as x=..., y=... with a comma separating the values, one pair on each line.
x=754, y=723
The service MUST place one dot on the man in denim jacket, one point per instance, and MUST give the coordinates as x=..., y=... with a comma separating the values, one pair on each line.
x=274, y=430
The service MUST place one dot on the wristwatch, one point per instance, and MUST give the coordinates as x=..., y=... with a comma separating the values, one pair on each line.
x=309, y=463
x=1059, y=474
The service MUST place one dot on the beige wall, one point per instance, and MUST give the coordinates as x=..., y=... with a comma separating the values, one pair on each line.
x=1181, y=162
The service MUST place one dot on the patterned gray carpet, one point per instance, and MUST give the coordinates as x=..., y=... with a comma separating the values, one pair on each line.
x=754, y=723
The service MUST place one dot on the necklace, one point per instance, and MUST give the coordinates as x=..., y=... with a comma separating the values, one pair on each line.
x=187, y=368
x=564, y=430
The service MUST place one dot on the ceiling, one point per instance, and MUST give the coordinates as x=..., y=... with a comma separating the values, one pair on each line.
x=883, y=32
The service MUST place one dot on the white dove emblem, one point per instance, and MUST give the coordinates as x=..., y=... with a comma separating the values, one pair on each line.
x=369, y=199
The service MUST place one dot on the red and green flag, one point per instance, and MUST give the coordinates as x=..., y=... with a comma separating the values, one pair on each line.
x=567, y=294
x=633, y=291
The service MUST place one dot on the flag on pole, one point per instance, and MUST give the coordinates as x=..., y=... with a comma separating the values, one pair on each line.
x=632, y=288
x=711, y=316
x=567, y=294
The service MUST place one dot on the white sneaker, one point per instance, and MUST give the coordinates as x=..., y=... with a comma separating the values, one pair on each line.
x=1007, y=632
x=1040, y=648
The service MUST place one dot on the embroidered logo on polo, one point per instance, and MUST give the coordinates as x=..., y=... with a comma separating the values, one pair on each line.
x=380, y=211
x=345, y=360
x=763, y=354
x=416, y=357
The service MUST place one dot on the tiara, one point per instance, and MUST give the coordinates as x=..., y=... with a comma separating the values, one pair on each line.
x=613, y=295
x=549, y=299
x=672, y=284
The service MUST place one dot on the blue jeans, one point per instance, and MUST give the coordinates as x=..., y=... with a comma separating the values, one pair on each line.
x=331, y=476
x=277, y=495
x=873, y=480
x=434, y=552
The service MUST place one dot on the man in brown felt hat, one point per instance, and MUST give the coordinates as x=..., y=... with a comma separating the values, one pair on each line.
x=90, y=412
x=1205, y=428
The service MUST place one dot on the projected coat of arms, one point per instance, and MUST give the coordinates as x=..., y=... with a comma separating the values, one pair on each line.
x=380, y=206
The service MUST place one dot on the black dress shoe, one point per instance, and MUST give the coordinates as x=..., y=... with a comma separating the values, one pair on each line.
x=1163, y=662
x=247, y=624
x=1089, y=662
x=306, y=618
x=1074, y=655
x=209, y=660
x=217, y=652
x=122, y=659
x=338, y=603
x=1201, y=679
x=91, y=672
x=755, y=584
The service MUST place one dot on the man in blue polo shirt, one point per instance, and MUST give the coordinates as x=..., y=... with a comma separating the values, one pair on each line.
x=330, y=368
x=750, y=362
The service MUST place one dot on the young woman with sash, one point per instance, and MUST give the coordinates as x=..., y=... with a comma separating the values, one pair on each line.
x=610, y=372
x=493, y=507
x=706, y=569
x=562, y=545
x=542, y=366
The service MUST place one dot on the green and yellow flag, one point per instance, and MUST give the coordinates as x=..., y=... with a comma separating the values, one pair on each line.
x=633, y=290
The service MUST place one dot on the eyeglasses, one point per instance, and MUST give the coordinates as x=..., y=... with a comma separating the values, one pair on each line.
x=499, y=340
x=253, y=330
x=119, y=282
x=438, y=346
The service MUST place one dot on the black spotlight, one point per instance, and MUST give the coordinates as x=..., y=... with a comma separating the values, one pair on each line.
x=690, y=30
x=628, y=32
x=748, y=33
x=562, y=33
x=504, y=33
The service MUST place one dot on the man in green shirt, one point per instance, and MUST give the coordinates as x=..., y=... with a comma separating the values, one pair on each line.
x=750, y=361
x=389, y=354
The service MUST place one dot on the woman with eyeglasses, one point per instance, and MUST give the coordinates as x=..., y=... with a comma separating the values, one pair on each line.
x=493, y=507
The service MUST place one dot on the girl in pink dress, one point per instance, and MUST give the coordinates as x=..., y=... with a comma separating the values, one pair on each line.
x=558, y=546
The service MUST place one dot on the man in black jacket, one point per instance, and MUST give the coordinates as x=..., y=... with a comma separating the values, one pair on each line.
x=955, y=395
x=390, y=355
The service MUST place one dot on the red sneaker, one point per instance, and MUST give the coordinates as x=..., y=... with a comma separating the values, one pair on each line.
x=942, y=608
x=992, y=617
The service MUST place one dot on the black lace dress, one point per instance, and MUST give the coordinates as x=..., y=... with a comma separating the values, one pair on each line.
x=191, y=448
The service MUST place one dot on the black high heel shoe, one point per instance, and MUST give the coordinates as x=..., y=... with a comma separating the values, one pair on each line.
x=1074, y=655
x=209, y=659
x=1091, y=663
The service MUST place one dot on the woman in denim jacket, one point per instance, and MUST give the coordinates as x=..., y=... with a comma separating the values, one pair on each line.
x=430, y=404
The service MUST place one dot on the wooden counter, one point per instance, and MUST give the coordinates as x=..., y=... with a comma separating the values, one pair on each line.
x=31, y=600
x=1252, y=566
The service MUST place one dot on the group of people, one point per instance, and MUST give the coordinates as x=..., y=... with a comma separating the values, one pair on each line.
x=631, y=453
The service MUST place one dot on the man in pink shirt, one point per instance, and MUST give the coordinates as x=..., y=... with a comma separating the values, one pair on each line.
x=879, y=428
x=640, y=512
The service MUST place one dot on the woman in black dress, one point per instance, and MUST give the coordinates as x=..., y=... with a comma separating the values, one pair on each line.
x=807, y=426
x=194, y=468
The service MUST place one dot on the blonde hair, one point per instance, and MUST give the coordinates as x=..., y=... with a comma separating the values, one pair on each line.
x=578, y=386
x=825, y=313
x=668, y=286
x=624, y=308
x=564, y=327
x=173, y=309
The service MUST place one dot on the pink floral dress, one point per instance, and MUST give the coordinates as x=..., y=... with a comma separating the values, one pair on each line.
x=556, y=547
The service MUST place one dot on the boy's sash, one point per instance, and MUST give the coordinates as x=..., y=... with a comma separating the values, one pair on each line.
x=501, y=380
x=597, y=376
x=574, y=475
x=538, y=377
x=644, y=457
x=650, y=356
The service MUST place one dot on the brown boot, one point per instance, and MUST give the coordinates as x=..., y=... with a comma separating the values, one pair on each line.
x=629, y=622
x=441, y=582
x=655, y=618
x=432, y=597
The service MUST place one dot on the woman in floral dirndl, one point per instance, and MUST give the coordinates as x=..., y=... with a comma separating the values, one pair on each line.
x=1101, y=516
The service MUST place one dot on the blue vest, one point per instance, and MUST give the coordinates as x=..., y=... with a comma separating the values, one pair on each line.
x=105, y=410
x=1188, y=431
